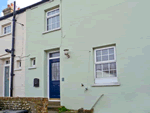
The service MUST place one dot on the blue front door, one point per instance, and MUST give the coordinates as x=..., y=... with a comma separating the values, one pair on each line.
x=6, y=89
x=54, y=78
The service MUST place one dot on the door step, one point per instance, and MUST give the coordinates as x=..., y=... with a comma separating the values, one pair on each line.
x=53, y=106
x=52, y=103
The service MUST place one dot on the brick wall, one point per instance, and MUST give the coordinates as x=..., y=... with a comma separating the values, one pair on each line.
x=34, y=105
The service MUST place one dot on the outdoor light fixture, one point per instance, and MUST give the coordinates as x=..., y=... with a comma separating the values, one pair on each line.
x=8, y=51
x=66, y=52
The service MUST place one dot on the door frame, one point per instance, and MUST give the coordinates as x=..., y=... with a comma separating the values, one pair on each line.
x=6, y=65
x=48, y=82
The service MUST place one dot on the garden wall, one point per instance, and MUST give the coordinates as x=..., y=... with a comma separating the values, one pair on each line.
x=33, y=105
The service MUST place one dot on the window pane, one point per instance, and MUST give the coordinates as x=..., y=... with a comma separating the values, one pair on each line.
x=99, y=75
x=49, y=13
x=49, y=27
x=20, y=64
x=106, y=74
x=49, y=21
x=98, y=59
x=7, y=29
x=57, y=11
x=113, y=65
x=98, y=67
x=105, y=67
x=53, y=26
x=56, y=54
x=53, y=12
x=53, y=20
x=111, y=50
x=58, y=25
x=105, y=52
x=55, y=71
x=57, y=17
x=111, y=57
x=104, y=58
x=113, y=73
x=98, y=52
x=34, y=62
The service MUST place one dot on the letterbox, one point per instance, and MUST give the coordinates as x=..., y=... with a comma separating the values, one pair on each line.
x=36, y=82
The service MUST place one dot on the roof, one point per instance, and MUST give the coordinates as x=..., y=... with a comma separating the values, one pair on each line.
x=23, y=9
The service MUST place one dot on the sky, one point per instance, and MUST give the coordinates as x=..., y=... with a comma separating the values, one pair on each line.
x=19, y=3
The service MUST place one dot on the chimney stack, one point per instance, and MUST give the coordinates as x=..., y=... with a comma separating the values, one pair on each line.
x=9, y=9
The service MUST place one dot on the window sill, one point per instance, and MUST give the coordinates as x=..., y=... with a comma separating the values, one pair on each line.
x=29, y=68
x=5, y=35
x=51, y=31
x=106, y=84
x=19, y=69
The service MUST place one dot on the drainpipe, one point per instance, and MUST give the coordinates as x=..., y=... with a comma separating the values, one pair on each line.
x=12, y=50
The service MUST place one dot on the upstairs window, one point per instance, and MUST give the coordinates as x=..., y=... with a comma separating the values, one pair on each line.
x=53, y=19
x=7, y=29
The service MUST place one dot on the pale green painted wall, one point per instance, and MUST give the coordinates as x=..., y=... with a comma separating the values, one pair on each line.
x=88, y=24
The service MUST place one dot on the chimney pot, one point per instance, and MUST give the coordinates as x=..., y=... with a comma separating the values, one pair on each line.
x=12, y=4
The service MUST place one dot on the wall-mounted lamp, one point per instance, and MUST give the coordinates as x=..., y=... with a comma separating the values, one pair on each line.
x=66, y=52
x=8, y=51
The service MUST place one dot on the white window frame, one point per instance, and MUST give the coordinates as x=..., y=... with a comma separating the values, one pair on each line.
x=18, y=67
x=51, y=17
x=4, y=29
x=32, y=62
x=18, y=64
x=108, y=80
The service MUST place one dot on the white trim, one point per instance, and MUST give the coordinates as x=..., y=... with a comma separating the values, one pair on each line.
x=5, y=35
x=18, y=69
x=54, y=100
x=31, y=68
x=106, y=80
x=48, y=84
x=53, y=58
x=6, y=65
x=108, y=84
x=51, y=30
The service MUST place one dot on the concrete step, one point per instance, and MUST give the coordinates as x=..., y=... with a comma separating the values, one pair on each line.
x=52, y=103
x=53, y=108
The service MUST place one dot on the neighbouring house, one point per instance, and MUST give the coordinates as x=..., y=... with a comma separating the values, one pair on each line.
x=6, y=25
x=5, y=58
